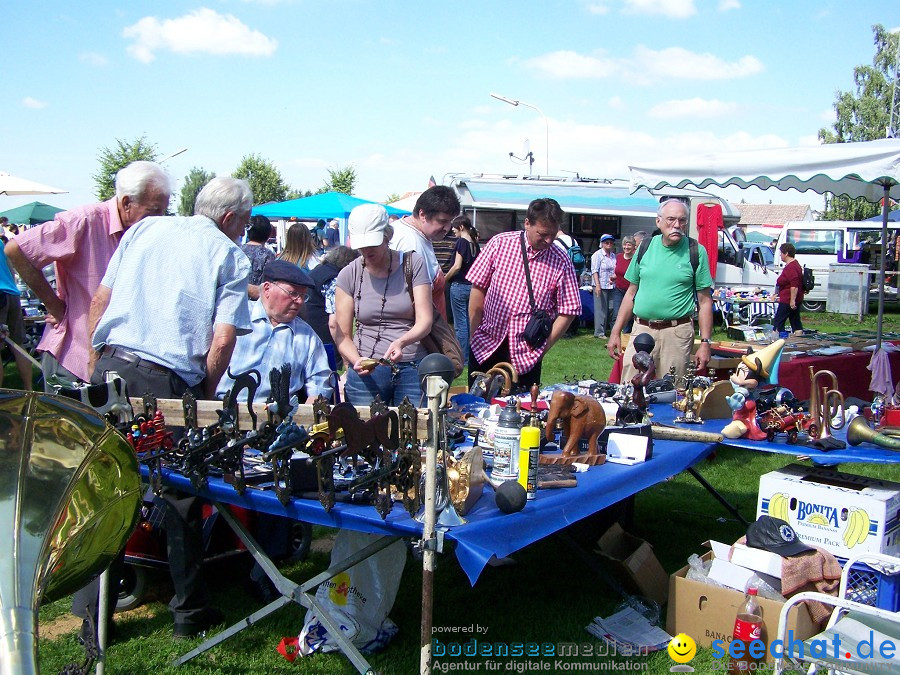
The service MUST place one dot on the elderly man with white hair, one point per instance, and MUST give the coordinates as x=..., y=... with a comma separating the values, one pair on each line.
x=80, y=244
x=167, y=314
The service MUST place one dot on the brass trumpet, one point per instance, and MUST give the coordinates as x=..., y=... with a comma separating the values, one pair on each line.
x=824, y=404
x=859, y=431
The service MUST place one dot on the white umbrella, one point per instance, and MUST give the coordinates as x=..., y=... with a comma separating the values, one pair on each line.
x=12, y=185
x=870, y=170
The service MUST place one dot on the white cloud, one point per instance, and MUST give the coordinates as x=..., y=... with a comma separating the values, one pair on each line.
x=93, y=59
x=598, y=8
x=593, y=150
x=202, y=31
x=694, y=108
x=29, y=102
x=568, y=64
x=827, y=115
x=680, y=63
x=644, y=66
x=616, y=103
x=727, y=5
x=675, y=9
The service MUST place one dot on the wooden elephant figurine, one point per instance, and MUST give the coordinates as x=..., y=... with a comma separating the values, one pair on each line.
x=582, y=417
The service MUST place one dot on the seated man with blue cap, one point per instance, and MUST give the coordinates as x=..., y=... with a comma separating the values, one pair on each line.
x=280, y=336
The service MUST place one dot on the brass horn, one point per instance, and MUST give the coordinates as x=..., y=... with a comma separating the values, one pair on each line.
x=69, y=497
x=859, y=431
x=824, y=404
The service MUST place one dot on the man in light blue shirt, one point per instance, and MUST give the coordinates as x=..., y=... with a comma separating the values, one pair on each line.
x=174, y=296
x=166, y=317
x=279, y=336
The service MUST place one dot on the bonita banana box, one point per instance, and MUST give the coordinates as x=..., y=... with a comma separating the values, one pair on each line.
x=839, y=512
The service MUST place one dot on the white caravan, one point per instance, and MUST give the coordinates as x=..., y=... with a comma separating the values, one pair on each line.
x=497, y=203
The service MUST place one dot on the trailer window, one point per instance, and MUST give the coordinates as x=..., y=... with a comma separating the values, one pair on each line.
x=816, y=242
x=489, y=223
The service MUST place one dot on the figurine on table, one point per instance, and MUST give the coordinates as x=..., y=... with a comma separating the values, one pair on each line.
x=634, y=411
x=756, y=368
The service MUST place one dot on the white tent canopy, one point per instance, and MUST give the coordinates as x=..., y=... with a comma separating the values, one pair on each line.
x=870, y=170
x=13, y=185
x=852, y=169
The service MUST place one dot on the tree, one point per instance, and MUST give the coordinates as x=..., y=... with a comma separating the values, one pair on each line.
x=265, y=180
x=193, y=183
x=341, y=180
x=297, y=193
x=118, y=157
x=393, y=197
x=864, y=116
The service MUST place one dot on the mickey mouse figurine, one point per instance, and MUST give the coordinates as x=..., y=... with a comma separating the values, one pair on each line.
x=755, y=368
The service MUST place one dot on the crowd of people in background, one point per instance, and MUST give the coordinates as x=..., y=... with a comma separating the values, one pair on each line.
x=216, y=299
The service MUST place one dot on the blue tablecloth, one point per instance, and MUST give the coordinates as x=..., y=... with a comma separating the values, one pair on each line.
x=488, y=531
x=865, y=453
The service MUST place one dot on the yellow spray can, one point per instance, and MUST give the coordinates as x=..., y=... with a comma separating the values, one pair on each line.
x=529, y=457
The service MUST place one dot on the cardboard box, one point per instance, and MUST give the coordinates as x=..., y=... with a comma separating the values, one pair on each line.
x=757, y=559
x=634, y=557
x=707, y=612
x=841, y=513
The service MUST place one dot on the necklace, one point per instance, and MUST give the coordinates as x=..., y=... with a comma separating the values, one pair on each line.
x=383, y=303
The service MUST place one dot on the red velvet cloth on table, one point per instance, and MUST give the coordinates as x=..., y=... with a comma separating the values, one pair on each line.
x=851, y=370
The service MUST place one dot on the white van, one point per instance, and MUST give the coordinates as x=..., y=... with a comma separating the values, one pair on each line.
x=822, y=243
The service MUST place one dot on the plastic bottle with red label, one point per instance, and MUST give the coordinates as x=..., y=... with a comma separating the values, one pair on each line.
x=747, y=627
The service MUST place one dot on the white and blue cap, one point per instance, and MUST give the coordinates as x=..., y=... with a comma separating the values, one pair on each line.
x=607, y=237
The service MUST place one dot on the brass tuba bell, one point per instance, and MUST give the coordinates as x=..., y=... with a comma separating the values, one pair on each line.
x=859, y=431
x=69, y=497
x=824, y=404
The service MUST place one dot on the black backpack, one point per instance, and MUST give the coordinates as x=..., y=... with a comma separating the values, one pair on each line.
x=809, y=279
x=693, y=249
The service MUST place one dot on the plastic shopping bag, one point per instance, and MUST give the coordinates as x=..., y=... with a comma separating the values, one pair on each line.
x=359, y=599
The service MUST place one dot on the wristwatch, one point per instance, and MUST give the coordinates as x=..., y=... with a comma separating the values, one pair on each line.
x=706, y=340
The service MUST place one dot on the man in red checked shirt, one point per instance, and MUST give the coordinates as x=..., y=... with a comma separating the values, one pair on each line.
x=499, y=306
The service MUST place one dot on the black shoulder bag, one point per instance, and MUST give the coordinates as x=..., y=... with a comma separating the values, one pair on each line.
x=539, y=325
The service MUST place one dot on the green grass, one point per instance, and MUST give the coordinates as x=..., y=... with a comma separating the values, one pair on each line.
x=548, y=597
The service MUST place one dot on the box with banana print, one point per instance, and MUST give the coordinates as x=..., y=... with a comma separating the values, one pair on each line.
x=839, y=512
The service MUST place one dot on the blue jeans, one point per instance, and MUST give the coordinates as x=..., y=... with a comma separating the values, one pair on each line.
x=361, y=389
x=459, y=304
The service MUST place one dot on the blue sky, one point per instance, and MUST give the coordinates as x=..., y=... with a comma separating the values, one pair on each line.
x=401, y=90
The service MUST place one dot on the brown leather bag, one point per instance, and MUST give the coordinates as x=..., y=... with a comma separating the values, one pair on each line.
x=442, y=339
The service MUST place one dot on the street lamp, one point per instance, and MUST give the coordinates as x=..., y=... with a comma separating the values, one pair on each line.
x=541, y=112
x=174, y=154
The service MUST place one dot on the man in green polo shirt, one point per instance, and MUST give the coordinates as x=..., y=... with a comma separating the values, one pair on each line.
x=660, y=295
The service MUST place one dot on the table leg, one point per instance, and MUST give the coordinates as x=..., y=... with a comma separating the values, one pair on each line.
x=715, y=493
x=302, y=594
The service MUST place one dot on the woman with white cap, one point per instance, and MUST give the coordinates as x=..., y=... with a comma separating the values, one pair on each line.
x=378, y=326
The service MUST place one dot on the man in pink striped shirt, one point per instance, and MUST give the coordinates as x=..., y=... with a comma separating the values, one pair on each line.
x=80, y=244
x=499, y=304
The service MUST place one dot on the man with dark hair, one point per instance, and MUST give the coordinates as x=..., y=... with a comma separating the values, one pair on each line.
x=258, y=233
x=499, y=303
x=80, y=243
x=430, y=221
